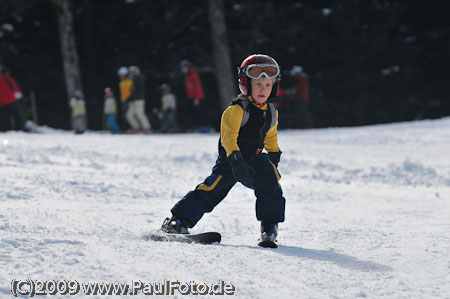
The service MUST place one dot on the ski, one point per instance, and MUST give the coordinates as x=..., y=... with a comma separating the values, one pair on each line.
x=202, y=238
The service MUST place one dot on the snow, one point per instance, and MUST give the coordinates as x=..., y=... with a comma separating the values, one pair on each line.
x=367, y=212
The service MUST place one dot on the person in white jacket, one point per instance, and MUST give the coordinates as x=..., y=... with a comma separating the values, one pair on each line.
x=168, y=107
x=110, y=110
x=78, y=108
x=136, y=103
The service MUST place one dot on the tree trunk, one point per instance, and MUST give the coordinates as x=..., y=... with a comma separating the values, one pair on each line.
x=68, y=47
x=34, y=108
x=224, y=73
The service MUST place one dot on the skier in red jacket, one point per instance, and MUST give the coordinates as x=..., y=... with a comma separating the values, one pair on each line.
x=301, y=116
x=9, y=106
x=194, y=92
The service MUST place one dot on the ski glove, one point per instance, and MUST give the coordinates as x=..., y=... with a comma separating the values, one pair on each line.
x=275, y=157
x=240, y=169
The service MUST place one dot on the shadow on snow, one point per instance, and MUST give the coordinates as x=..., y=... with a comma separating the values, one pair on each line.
x=339, y=259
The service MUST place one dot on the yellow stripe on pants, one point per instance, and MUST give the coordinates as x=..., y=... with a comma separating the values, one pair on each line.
x=209, y=188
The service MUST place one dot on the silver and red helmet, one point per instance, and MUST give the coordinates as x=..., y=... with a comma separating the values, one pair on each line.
x=255, y=66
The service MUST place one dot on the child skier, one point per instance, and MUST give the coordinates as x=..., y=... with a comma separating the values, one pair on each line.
x=248, y=125
x=110, y=109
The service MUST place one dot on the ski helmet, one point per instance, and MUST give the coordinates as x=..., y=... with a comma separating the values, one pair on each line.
x=296, y=69
x=165, y=87
x=78, y=95
x=255, y=66
x=123, y=71
x=134, y=70
x=185, y=62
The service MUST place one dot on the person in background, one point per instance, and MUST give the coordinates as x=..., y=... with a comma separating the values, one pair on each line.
x=110, y=110
x=136, y=107
x=168, y=107
x=10, y=94
x=302, y=116
x=78, y=109
x=194, y=93
x=125, y=93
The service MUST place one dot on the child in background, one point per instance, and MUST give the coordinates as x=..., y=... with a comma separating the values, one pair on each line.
x=168, y=107
x=78, y=108
x=110, y=110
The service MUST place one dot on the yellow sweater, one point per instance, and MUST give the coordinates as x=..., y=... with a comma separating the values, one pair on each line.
x=231, y=124
x=125, y=89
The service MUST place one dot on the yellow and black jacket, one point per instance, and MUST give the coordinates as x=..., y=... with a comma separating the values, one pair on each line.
x=257, y=132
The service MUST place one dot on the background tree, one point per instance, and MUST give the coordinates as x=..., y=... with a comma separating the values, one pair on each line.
x=69, y=52
x=222, y=59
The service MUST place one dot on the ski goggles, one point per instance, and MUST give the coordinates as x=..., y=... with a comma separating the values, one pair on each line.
x=256, y=71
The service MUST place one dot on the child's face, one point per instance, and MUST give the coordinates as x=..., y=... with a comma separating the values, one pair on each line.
x=261, y=89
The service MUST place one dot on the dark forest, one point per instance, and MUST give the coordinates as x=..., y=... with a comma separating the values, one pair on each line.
x=368, y=61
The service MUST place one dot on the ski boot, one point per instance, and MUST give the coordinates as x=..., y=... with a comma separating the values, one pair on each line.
x=269, y=232
x=174, y=225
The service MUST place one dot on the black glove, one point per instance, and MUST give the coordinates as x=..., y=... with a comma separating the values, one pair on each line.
x=275, y=157
x=240, y=169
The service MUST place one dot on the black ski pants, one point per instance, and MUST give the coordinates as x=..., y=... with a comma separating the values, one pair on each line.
x=8, y=113
x=270, y=203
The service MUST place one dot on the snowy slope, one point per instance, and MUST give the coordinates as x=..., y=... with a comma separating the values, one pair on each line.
x=368, y=213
